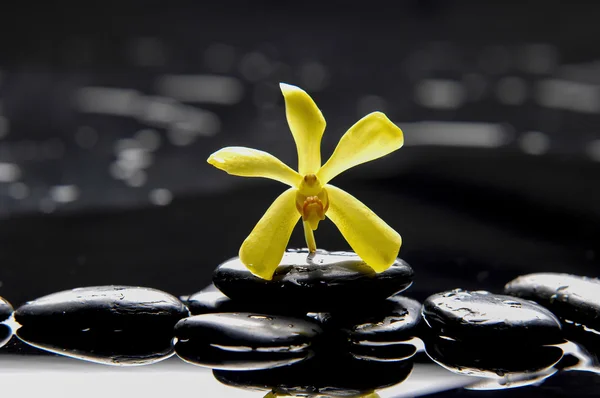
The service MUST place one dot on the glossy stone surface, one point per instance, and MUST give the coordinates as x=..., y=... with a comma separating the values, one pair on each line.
x=394, y=319
x=119, y=348
x=244, y=340
x=210, y=300
x=483, y=316
x=103, y=308
x=491, y=360
x=572, y=298
x=323, y=282
x=321, y=376
x=6, y=309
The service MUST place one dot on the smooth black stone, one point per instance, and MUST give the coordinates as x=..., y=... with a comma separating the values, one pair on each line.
x=120, y=348
x=211, y=300
x=5, y=334
x=491, y=360
x=323, y=282
x=572, y=298
x=483, y=316
x=326, y=375
x=6, y=309
x=244, y=340
x=394, y=319
x=104, y=308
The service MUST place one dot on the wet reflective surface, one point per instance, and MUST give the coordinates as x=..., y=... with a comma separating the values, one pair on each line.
x=459, y=343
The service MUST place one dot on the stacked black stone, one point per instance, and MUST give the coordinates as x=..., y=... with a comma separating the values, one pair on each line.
x=325, y=323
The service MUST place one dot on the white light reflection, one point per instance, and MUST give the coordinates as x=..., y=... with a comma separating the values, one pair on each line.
x=440, y=94
x=67, y=378
x=210, y=89
x=137, y=179
x=105, y=100
x=9, y=172
x=160, y=196
x=64, y=193
x=534, y=143
x=457, y=134
x=569, y=95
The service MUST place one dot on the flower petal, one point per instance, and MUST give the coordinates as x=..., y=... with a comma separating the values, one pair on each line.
x=370, y=138
x=307, y=125
x=263, y=249
x=368, y=235
x=247, y=162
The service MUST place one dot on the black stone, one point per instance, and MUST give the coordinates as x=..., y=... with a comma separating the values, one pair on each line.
x=5, y=334
x=394, y=319
x=6, y=309
x=103, y=308
x=245, y=340
x=572, y=298
x=120, y=348
x=491, y=360
x=482, y=316
x=322, y=375
x=321, y=282
x=211, y=300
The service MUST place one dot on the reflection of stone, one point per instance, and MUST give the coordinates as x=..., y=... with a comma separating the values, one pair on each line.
x=244, y=340
x=392, y=320
x=123, y=348
x=323, y=282
x=510, y=365
x=384, y=332
x=108, y=308
x=5, y=334
x=6, y=309
x=572, y=298
x=330, y=375
x=490, y=319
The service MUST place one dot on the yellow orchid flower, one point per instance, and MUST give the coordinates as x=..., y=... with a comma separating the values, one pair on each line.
x=311, y=196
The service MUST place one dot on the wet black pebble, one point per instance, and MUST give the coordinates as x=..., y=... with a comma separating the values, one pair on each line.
x=324, y=282
x=210, y=300
x=572, y=298
x=244, y=340
x=491, y=318
x=103, y=308
x=6, y=309
x=321, y=376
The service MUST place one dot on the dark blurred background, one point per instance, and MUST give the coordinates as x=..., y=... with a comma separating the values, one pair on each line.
x=108, y=111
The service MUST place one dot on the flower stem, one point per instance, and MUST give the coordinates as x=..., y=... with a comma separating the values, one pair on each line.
x=310, y=237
